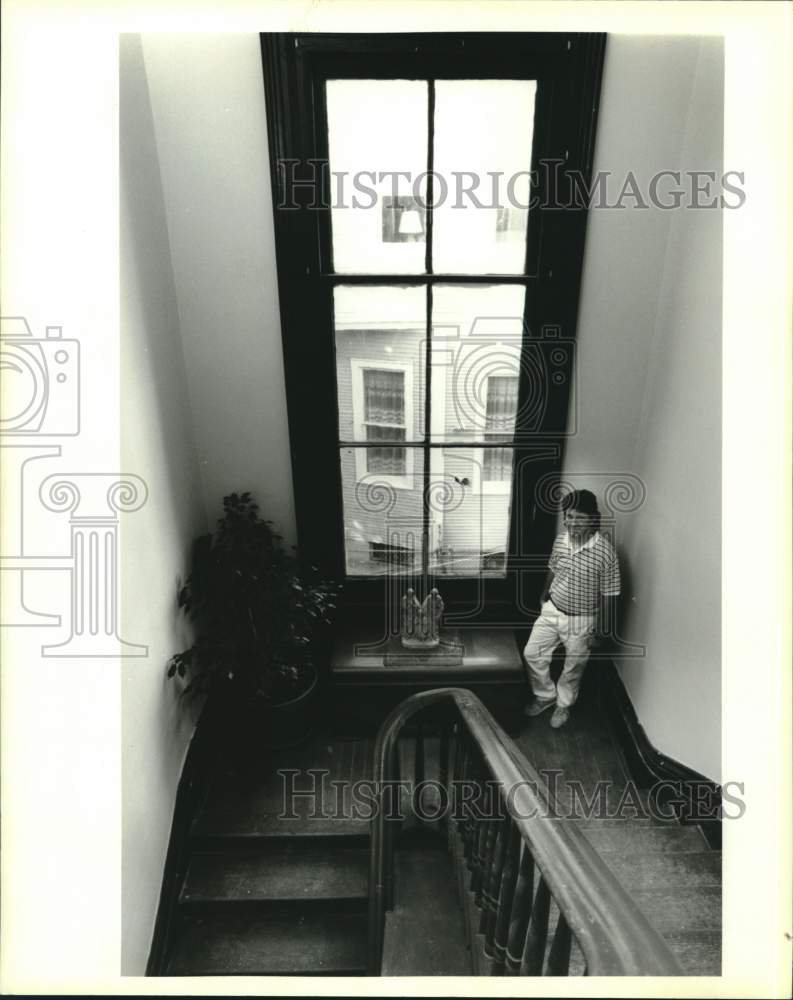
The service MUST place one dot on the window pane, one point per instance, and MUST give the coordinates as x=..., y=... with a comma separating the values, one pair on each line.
x=502, y=403
x=477, y=335
x=380, y=360
x=377, y=141
x=382, y=513
x=384, y=396
x=497, y=467
x=469, y=514
x=483, y=139
x=390, y=461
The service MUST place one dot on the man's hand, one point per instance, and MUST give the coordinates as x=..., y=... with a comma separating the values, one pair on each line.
x=605, y=624
x=545, y=593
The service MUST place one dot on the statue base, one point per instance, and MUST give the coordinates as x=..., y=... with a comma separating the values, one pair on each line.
x=409, y=643
x=447, y=652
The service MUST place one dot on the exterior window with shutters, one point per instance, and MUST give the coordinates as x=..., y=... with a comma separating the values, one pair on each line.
x=502, y=408
x=384, y=416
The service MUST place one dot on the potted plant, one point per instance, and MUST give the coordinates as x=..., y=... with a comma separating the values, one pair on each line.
x=257, y=614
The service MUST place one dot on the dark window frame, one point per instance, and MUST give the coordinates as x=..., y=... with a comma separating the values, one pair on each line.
x=568, y=69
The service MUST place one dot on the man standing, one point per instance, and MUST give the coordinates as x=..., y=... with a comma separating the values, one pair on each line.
x=583, y=571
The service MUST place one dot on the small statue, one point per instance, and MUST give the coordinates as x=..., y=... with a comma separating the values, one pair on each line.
x=435, y=612
x=421, y=622
x=411, y=615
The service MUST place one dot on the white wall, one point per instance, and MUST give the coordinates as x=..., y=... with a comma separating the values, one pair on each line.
x=204, y=407
x=158, y=444
x=649, y=384
x=207, y=99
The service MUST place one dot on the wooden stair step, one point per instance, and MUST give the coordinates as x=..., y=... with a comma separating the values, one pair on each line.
x=283, y=944
x=419, y=946
x=681, y=910
x=614, y=823
x=425, y=933
x=651, y=839
x=607, y=808
x=284, y=875
x=326, y=777
x=665, y=870
x=253, y=824
x=699, y=952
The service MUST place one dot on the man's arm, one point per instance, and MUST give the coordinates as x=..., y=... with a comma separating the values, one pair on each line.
x=611, y=585
x=553, y=561
x=606, y=624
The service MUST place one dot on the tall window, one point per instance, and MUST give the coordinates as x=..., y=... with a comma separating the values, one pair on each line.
x=451, y=335
x=426, y=271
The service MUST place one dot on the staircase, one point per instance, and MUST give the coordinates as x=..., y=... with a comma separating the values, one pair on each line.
x=264, y=895
x=669, y=869
x=675, y=878
x=279, y=886
x=671, y=874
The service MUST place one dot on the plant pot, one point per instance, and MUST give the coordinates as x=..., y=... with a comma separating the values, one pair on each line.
x=290, y=723
x=247, y=728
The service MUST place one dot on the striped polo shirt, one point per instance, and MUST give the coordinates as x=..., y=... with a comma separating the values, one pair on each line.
x=582, y=574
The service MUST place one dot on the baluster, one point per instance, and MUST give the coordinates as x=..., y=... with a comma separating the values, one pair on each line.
x=509, y=878
x=487, y=845
x=493, y=888
x=469, y=841
x=471, y=826
x=465, y=851
x=457, y=822
x=451, y=763
x=474, y=832
x=443, y=765
x=559, y=956
x=478, y=836
x=459, y=754
x=419, y=769
x=577, y=965
x=393, y=798
x=454, y=751
x=519, y=915
x=536, y=939
x=461, y=779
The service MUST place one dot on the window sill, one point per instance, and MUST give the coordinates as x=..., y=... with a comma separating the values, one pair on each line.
x=488, y=653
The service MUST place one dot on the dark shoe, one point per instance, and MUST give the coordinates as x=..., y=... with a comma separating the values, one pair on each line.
x=537, y=707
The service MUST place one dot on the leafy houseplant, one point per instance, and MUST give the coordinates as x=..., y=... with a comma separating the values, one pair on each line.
x=255, y=610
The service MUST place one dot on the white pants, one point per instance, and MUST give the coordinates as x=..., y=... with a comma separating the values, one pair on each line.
x=552, y=627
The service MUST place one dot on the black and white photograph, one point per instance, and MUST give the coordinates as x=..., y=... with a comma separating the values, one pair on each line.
x=396, y=450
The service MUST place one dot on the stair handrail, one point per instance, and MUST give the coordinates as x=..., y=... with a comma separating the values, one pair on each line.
x=613, y=934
